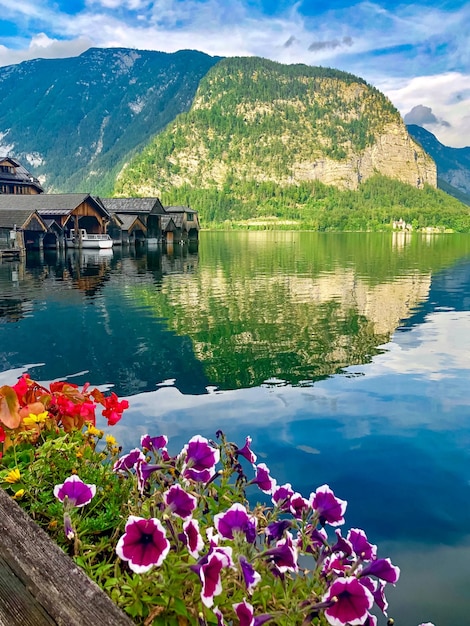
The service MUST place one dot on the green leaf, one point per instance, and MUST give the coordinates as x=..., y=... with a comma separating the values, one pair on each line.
x=180, y=607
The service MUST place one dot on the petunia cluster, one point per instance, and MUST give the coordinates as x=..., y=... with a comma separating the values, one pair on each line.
x=200, y=537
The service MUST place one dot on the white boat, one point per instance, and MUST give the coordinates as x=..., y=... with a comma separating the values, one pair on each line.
x=88, y=240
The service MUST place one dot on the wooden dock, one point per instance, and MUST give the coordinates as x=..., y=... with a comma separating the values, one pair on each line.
x=10, y=253
x=39, y=584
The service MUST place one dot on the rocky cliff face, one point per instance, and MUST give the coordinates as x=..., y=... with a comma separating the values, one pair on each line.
x=394, y=154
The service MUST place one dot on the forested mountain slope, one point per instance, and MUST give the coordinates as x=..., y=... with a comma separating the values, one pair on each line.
x=74, y=122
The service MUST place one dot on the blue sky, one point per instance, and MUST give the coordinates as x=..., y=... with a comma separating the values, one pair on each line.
x=418, y=54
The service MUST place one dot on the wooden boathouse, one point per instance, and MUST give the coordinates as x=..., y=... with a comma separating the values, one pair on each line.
x=56, y=214
x=134, y=220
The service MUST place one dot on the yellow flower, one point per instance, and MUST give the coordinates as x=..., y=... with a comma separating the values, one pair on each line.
x=92, y=430
x=13, y=476
x=32, y=418
x=111, y=441
x=18, y=494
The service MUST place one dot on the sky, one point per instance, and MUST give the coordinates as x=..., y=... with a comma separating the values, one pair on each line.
x=417, y=54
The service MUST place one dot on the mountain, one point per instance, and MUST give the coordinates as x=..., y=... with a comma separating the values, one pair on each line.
x=74, y=122
x=453, y=164
x=254, y=120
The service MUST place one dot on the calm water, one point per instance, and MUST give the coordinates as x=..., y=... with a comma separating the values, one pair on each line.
x=344, y=356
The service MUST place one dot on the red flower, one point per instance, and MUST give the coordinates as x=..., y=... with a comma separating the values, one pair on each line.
x=114, y=408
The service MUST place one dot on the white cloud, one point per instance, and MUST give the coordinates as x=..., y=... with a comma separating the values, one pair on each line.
x=42, y=47
x=447, y=95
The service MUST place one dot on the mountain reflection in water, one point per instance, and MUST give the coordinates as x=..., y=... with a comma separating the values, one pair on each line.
x=344, y=356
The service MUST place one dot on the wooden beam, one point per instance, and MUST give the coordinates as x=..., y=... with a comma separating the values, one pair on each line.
x=39, y=584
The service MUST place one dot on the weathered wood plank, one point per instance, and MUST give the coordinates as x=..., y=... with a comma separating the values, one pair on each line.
x=56, y=590
x=17, y=604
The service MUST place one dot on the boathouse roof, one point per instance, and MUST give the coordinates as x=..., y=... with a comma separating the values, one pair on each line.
x=128, y=222
x=133, y=206
x=21, y=219
x=50, y=204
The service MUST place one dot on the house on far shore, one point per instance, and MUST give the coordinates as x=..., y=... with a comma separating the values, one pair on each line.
x=15, y=179
x=186, y=221
x=134, y=220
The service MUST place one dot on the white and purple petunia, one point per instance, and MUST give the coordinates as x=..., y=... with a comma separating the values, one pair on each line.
x=284, y=555
x=200, y=459
x=192, y=537
x=179, y=501
x=143, y=471
x=154, y=443
x=250, y=575
x=298, y=505
x=383, y=569
x=128, y=461
x=377, y=588
x=246, y=451
x=246, y=617
x=144, y=544
x=236, y=519
x=360, y=544
x=349, y=600
x=275, y=530
x=210, y=575
x=282, y=495
x=263, y=479
x=329, y=508
x=74, y=491
x=342, y=545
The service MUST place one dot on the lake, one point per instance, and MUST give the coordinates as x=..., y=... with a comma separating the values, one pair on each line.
x=344, y=356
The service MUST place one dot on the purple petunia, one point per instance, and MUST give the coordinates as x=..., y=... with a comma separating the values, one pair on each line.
x=143, y=544
x=246, y=617
x=74, y=491
x=128, y=461
x=246, y=451
x=329, y=508
x=284, y=556
x=209, y=574
x=153, y=443
x=250, y=575
x=193, y=540
x=143, y=472
x=200, y=459
x=236, y=519
x=263, y=479
x=376, y=587
x=275, y=530
x=282, y=495
x=298, y=505
x=383, y=569
x=179, y=501
x=361, y=546
x=349, y=600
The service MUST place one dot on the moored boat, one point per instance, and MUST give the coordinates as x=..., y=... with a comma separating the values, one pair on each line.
x=88, y=240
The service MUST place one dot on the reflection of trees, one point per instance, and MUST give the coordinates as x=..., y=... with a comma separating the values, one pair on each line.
x=298, y=307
